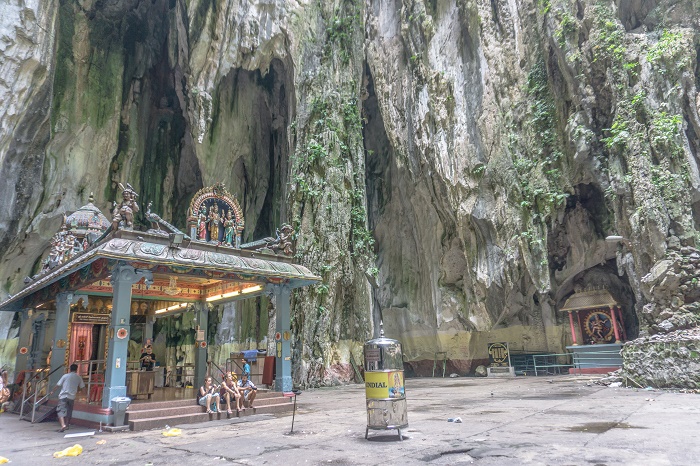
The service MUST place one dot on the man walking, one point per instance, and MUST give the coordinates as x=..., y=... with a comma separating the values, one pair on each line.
x=70, y=383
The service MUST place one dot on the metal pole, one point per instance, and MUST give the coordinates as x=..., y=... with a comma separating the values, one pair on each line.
x=294, y=412
x=508, y=348
x=24, y=395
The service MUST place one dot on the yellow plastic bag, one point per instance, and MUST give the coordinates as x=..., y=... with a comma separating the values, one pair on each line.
x=75, y=450
x=174, y=432
x=3, y=460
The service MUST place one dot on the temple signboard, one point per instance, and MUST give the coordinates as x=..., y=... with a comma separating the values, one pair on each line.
x=85, y=318
x=499, y=354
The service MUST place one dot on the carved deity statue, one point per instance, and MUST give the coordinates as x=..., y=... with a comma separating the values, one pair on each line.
x=123, y=214
x=202, y=223
x=214, y=220
x=229, y=228
x=283, y=242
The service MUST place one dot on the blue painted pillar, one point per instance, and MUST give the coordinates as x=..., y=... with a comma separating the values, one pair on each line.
x=60, y=334
x=200, y=354
x=25, y=332
x=123, y=276
x=283, y=346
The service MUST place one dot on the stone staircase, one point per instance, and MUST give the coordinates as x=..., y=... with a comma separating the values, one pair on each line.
x=158, y=414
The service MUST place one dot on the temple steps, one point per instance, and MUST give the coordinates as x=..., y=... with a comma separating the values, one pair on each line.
x=155, y=415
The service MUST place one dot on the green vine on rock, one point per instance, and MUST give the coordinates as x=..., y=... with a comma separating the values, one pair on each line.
x=539, y=166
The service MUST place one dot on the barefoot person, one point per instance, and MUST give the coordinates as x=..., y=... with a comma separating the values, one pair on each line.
x=70, y=383
x=209, y=396
x=247, y=389
x=229, y=391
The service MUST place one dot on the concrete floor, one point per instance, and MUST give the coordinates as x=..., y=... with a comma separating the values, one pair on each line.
x=563, y=420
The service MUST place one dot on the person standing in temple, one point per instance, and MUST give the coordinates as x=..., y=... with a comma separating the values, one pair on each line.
x=246, y=367
x=148, y=359
x=70, y=383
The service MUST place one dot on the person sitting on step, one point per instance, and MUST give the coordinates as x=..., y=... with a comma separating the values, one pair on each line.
x=229, y=392
x=247, y=389
x=208, y=396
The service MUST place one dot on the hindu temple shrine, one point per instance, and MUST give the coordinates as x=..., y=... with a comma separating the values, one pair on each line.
x=104, y=287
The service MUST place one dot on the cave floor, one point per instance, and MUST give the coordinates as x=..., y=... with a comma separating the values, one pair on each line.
x=560, y=420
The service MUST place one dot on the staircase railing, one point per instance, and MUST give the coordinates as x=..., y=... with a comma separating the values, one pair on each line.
x=36, y=387
x=29, y=384
x=230, y=363
x=214, y=365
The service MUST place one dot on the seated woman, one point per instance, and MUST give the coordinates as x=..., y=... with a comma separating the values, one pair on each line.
x=208, y=396
x=229, y=391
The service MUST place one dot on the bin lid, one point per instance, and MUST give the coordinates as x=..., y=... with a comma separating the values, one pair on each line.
x=383, y=353
x=382, y=340
x=121, y=399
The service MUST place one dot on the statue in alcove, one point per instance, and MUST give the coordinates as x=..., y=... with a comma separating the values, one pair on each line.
x=214, y=220
x=123, y=214
x=202, y=223
x=283, y=242
x=229, y=228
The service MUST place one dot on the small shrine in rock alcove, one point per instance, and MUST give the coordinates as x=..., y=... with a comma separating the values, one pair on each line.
x=599, y=317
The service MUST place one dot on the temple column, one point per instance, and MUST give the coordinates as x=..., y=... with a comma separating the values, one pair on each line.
x=283, y=346
x=200, y=354
x=60, y=334
x=614, y=323
x=573, y=329
x=123, y=276
x=148, y=329
x=25, y=332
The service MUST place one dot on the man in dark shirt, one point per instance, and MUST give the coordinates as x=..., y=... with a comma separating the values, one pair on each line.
x=148, y=359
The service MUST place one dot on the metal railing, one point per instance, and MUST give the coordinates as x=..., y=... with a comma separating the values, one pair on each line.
x=576, y=361
x=212, y=369
x=550, y=362
x=232, y=365
x=598, y=359
x=184, y=372
x=37, y=383
x=440, y=355
x=95, y=370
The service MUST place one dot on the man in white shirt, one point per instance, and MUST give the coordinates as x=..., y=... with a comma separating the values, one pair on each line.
x=70, y=383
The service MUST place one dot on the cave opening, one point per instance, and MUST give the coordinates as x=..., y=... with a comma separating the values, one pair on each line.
x=378, y=173
x=249, y=132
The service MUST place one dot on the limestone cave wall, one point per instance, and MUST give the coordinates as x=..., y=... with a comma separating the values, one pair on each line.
x=451, y=167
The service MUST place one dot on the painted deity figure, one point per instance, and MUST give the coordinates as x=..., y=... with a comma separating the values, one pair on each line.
x=229, y=228
x=214, y=220
x=284, y=239
x=123, y=214
x=598, y=327
x=202, y=223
